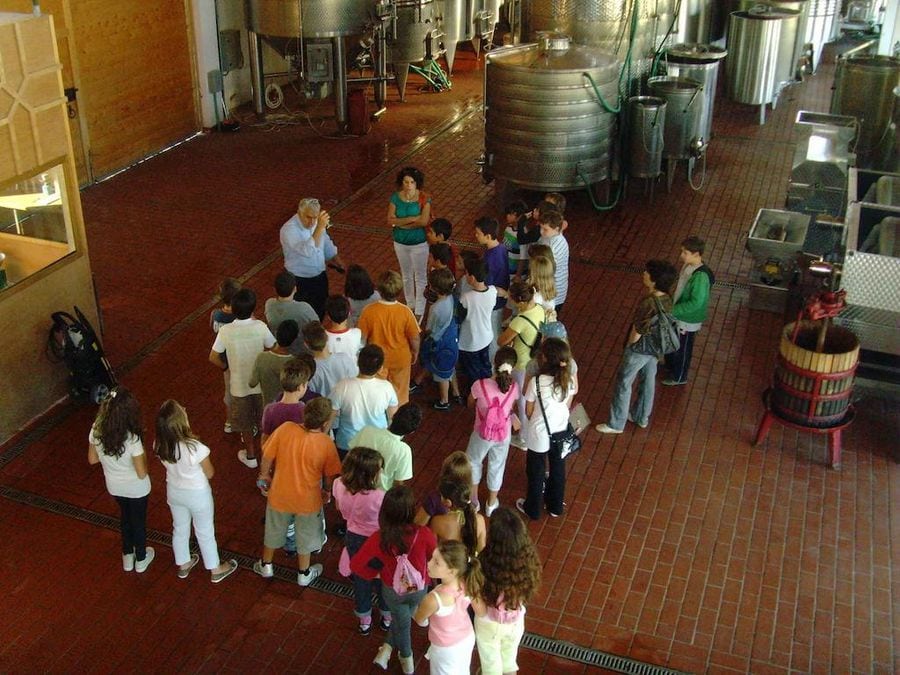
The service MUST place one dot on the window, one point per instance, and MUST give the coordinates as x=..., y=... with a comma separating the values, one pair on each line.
x=35, y=227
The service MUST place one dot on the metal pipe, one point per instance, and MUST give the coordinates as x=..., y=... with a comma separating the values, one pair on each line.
x=356, y=80
x=340, y=82
x=868, y=44
x=257, y=78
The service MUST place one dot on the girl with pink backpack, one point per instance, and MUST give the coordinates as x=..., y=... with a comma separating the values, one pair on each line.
x=493, y=399
x=398, y=554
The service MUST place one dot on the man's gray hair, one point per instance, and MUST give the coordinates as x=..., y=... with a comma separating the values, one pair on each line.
x=309, y=205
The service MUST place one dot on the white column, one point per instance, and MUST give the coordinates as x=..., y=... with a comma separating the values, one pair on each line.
x=890, y=31
x=207, y=44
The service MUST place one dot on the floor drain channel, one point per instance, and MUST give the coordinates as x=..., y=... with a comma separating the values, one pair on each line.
x=105, y=521
x=544, y=645
x=592, y=657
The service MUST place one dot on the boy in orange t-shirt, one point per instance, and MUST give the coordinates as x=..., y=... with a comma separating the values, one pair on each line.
x=392, y=327
x=304, y=457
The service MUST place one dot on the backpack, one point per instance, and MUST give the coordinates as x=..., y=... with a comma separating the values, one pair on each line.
x=535, y=346
x=494, y=426
x=407, y=579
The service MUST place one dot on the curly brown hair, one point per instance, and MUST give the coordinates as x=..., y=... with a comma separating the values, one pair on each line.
x=119, y=417
x=509, y=562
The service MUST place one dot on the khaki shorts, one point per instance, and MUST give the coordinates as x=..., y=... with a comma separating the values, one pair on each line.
x=246, y=412
x=308, y=527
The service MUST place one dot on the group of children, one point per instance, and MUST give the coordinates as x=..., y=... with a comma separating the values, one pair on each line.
x=328, y=397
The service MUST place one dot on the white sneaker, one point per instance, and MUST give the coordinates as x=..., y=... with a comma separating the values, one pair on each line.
x=606, y=429
x=264, y=569
x=490, y=508
x=407, y=665
x=140, y=566
x=227, y=428
x=383, y=656
x=128, y=562
x=312, y=574
x=246, y=461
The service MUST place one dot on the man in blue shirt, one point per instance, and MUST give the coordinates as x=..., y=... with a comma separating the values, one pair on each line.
x=307, y=249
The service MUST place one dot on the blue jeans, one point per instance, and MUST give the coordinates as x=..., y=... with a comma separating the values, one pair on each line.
x=402, y=608
x=363, y=588
x=632, y=366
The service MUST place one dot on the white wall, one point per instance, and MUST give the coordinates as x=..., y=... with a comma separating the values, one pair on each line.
x=890, y=31
x=231, y=16
x=203, y=14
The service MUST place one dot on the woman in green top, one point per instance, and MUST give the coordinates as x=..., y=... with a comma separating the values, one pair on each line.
x=522, y=334
x=409, y=213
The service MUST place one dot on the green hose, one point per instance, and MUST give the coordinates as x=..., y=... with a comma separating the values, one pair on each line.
x=600, y=98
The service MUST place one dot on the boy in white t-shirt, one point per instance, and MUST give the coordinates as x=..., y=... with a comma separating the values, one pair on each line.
x=365, y=400
x=341, y=336
x=236, y=347
x=476, y=332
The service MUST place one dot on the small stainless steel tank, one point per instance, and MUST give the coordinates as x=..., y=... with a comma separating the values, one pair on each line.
x=752, y=64
x=793, y=32
x=545, y=128
x=685, y=103
x=864, y=88
x=646, y=124
x=700, y=63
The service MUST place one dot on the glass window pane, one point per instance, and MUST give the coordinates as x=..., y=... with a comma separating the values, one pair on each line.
x=35, y=226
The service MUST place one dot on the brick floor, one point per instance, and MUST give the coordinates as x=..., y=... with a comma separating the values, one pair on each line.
x=681, y=546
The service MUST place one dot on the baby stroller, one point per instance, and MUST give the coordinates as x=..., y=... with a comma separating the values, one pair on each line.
x=73, y=341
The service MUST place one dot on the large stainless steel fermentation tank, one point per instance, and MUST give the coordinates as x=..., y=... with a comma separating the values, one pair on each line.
x=545, y=127
x=606, y=25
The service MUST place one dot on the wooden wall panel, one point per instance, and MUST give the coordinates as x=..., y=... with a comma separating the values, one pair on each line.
x=33, y=117
x=32, y=109
x=136, y=76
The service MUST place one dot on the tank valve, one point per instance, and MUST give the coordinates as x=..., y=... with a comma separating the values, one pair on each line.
x=697, y=147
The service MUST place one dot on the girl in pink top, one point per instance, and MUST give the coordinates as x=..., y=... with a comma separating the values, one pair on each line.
x=359, y=501
x=492, y=398
x=444, y=609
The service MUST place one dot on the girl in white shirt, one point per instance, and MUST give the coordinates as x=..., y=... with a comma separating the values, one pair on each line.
x=115, y=443
x=188, y=470
x=547, y=400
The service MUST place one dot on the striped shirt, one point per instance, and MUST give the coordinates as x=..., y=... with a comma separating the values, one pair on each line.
x=560, y=248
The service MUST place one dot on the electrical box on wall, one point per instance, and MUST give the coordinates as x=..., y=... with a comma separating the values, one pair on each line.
x=319, y=62
x=231, y=55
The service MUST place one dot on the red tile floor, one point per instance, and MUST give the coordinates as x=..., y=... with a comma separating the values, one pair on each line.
x=682, y=545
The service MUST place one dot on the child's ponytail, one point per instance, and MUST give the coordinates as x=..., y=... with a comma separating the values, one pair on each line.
x=504, y=361
x=465, y=564
x=459, y=496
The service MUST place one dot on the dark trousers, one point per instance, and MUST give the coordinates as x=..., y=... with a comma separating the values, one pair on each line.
x=313, y=290
x=133, y=522
x=363, y=588
x=678, y=363
x=559, y=309
x=549, y=492
x=476, y=365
